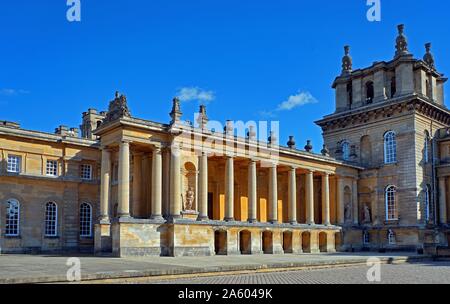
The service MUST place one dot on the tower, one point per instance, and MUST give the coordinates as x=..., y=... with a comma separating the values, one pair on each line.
x=385, y=120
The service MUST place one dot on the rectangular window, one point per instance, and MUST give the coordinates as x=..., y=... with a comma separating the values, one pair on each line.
x=52, y=168
x=13, y=165
x=86, y=172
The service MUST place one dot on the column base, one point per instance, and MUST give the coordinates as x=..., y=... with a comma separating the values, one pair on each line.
x=252, y=221
x=228, y=219
x=293, y=223
x=203, y=219
x=124, y=215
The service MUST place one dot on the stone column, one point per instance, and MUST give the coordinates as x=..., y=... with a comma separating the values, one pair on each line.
x=105, y=185
x=355, y=202
x=326, y=199
x=137, y=185
x=175, y=182
x=252, y=192
x=340, y=200
x=157, y=184
x=309, y=188
x=229, y=189
x=443, y=200
x=273, y=195
x=292, y=185
x=166, y=182
x=203, y=188
x=124, y=180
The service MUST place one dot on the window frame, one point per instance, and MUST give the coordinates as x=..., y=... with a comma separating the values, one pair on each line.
x=55, y=168
x=17, y=163
x=390, y=200
x=9, y=219
x=52, y=221
x=82, y=221
x=390, y=148
x=82, y=172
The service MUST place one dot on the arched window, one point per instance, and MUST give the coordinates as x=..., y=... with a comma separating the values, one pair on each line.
x=393, y=87
x=390, y=148
x=427, y=203
x=51, y=219
x=345, y=150
x=426, y=149
x=350, y=95
x=85, y=220
x=366, y=237
x=12, y=218
x=428, y=89
x=391, y=204
x=391, y=237
x=370, y=92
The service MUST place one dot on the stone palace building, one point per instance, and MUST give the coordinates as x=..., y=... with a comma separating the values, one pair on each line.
x=125, y=186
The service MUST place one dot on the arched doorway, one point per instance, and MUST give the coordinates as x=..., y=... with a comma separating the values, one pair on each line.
x=267, y=241
x=245, y=242
x=306, y=242
x=323, y=238
x=287, y=242
x=220, y=242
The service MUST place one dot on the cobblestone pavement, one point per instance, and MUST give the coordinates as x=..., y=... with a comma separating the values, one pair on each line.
x=420, y=273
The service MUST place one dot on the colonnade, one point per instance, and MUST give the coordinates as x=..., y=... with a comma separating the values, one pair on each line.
x=175, y=207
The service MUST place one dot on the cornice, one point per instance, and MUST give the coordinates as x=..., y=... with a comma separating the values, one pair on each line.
x=411, y=103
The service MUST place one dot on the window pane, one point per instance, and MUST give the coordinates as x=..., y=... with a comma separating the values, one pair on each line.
x=51, y=216
x=85, y=220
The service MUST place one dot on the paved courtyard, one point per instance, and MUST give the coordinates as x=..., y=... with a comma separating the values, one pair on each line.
x=48, y=269
x=415, y=273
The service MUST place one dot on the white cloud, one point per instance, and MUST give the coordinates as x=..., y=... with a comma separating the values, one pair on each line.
x=295, y=101
x=196, y=93
x=12, y=92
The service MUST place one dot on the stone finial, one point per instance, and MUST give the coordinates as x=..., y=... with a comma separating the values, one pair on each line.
x=347, y=61
x=251, y=134
x=229, y=128
x=401, y=42
x=118, y=108
x=176, y=113
x=325, y=151
x=202, y=119
x=291, y=143
x=273, y=140
x=429, y=58
x=308, y=147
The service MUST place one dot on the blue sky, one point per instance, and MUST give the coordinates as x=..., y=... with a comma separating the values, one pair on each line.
x=247, y=57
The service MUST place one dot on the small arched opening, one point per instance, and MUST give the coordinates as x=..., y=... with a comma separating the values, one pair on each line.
x=338, y=241
x=287, y=242
x=245, y=242
x=267, y=242
x=220, y=242
x=323, y=240
x=306, y=242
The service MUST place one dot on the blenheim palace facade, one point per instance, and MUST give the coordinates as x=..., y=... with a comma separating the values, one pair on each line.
x=123, y=186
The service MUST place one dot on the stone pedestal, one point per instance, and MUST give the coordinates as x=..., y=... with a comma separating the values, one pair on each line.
x=133, y=237
x=102, y=239
x=189, y=215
